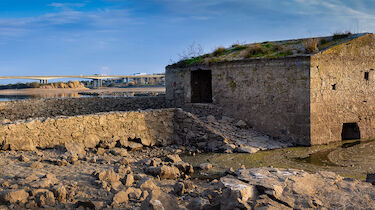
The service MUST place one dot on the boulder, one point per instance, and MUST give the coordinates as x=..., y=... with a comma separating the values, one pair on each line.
x=134, y=145
x=107, y=175
x=134, y=193
x=60, y=193
x=75, y=148
x=179, y=188
x=119, y=152
x=120, y=197
x=370, y=178
x=164, y=172
x=198, y=204
x=173, y=158
x=247, y=149
x=158, y=200
x=44, y=198
x=236, y=194
x=147, y=184
x=129, y=180
x=14, y=196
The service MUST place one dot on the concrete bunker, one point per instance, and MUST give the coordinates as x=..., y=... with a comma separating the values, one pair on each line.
x=201, y=86
x=350, y=131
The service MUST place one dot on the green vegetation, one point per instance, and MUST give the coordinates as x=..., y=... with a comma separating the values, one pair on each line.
x=275, y=49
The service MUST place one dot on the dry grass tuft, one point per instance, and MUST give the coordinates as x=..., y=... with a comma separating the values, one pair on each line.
x=253, y=50
x=219, y=51
x=311, y=45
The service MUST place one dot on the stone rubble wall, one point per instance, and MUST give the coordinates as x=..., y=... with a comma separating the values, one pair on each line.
x=271, y=95
x=24, y=109
x=352, y=100
x=150, y=127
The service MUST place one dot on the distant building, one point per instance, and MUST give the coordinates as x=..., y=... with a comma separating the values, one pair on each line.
x=308, y=91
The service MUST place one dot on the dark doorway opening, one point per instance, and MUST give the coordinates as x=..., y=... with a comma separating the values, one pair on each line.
x=350, y=131
x=201, y=86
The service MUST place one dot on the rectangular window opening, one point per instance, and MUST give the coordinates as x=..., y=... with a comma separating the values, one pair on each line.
x=334, y=87
x=367, y=74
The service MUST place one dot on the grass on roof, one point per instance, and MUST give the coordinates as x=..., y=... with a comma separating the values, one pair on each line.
x=275, y=49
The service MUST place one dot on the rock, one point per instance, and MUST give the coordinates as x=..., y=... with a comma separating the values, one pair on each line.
x=134, y=193
x=173, y=158
x=19, y=144
x=108, y=176
x=44, y=198
x=120, y=197
x=100, y=151
x=236, y=194
x=119, y=152
x=179, y=188
x=125, y=161
x=211, y=119
x=164, y=172
x=129, y=180
x=158, y=200
x=228, y=148
x=75, y=148
x=91, y=141
x=241, y=124
x=289, y=188
x=60, y=193
x=147, y=142
x=370, y=178
x=147, y=184
x=36, y=165
x=107, y=144
x=23, y=158
x=123, y=142
x=186, y=168
x=45, y=182
x=226, y=119
x=14, y=196
x=205, y=166
x=135, y=146
x=247, y=149
x=198, y=204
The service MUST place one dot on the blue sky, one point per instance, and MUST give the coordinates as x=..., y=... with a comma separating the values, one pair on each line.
x=43, y=37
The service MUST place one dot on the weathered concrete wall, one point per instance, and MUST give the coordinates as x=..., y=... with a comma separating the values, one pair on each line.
x=151, y=127
x=272, y=95
x=353, y=100
x=18, y=110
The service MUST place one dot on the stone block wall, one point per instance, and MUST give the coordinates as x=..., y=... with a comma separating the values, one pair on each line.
x=151, y=127
x=339, y=91
x=19, y=110
x=272, y=95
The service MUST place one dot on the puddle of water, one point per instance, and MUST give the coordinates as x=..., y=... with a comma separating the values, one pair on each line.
x=352, y=159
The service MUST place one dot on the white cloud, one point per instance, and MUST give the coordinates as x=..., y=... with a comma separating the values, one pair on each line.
x=66, y=5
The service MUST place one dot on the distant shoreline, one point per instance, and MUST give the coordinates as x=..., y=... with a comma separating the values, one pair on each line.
x=41, y=91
